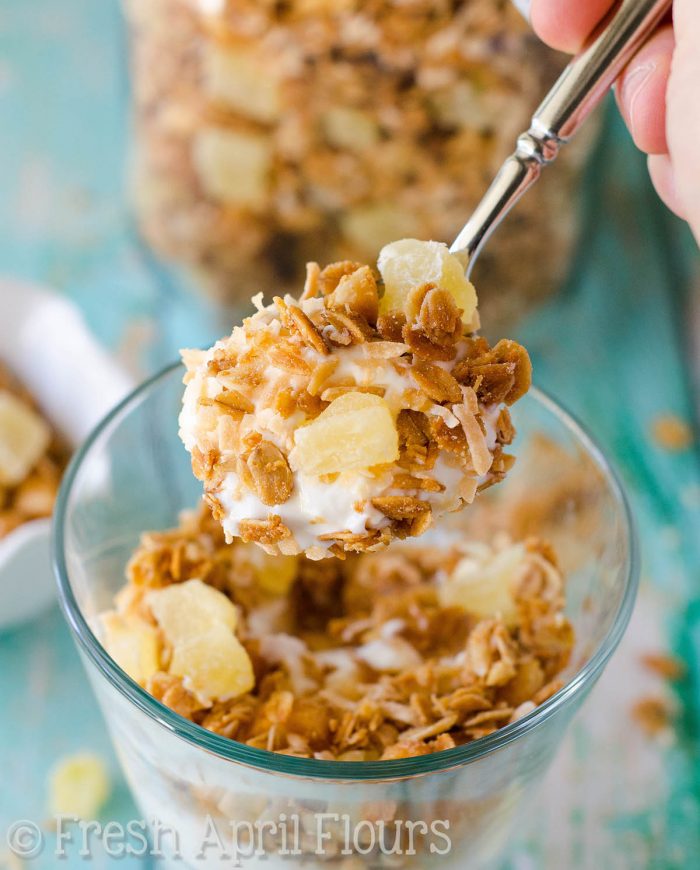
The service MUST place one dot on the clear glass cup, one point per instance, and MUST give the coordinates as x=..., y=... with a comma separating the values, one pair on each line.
x=209, y=794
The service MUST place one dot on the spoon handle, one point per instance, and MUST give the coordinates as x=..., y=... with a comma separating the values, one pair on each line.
x=578, y=90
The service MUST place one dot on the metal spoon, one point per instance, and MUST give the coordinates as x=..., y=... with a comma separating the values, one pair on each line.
x=579, y=89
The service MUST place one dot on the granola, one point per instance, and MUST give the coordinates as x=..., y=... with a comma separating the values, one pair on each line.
x=32, y=457
x=672, y=433
x=382, y=655
x=358, y=414
x=267, y=132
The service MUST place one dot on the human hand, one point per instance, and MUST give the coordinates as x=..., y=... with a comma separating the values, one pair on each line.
x=658, y=94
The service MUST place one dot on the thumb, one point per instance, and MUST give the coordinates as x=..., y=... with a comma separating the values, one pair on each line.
x=683, y=111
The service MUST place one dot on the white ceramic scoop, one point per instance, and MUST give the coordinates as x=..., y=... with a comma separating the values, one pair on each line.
x=46, y=343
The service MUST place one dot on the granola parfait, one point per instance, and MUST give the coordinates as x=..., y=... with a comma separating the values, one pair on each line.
x=356, y=415
x=339, y=711
x=379, y=656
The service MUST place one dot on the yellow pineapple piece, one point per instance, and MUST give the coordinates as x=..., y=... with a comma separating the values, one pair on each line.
x=369, y=226
x=78, y=785
x=24, y=436
x=485, y=586
x=275, y=574
x=132, y=643
x=186, y=611
x=409, y=263
x=214, y=666
x=349, y=128
x=356, y=431
x=232, y=166
x=243, y=81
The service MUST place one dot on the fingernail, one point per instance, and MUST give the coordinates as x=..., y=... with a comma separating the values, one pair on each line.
x=632, y=86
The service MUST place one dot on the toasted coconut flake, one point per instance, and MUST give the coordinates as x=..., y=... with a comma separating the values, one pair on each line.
x=289, y=359
x=311, y=284
x=467, y=489
x=385, y=349
x=476, y=440
x=193, y=357
x=320, y=375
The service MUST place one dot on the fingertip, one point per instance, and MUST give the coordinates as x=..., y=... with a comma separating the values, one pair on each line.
x=641, y=92
x=546, y=24
x=565, y=25
x=663, y=179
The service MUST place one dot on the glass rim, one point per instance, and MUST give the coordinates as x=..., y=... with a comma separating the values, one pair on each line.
x=311, y=768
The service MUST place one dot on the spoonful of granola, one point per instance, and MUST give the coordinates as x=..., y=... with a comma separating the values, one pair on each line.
x=350, y=417
x=369, y=407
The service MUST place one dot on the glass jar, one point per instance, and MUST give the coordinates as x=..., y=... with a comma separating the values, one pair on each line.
x=461, y=805
x=270, y=133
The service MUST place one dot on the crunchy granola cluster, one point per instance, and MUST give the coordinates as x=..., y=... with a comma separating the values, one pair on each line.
x=343, y=420
x=380, y=656
x=32, y=457
x=267, y=132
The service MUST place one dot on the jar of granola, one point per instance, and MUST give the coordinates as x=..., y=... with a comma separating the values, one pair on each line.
x=270, y=133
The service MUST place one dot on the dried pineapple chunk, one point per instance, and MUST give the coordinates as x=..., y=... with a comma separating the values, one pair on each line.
x=485, y=586
x=370, y=226
x=243, y=81
x=133, y=644
x=275, y=574
x=345, y=127
x=233, y=167
x=78, y=786
x=186, y=611
x=356, y=431
x=409, y=263
x=24, y=437
x=214, y=666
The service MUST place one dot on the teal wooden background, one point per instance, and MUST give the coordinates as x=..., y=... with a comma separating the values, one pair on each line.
x=614, y=343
